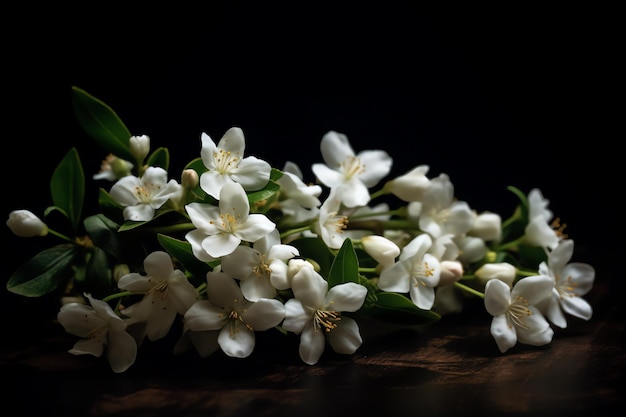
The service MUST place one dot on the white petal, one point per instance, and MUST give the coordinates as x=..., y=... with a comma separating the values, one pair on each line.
x=182, y=293
x=204, y=217
x=252, y=173
x=159, y=265
x=255, y=227
x=207, y=151
x=236, y=340
x=139, y=213
x=233, y=141
x=241, y=263
x=396, y=278
x=582, y=277
x=312, y=344
x=327, y=176
x=220, y=245
x=234, y=201
x=296, y=316
x=348, y=296
x=354, y=193
x=534, y=289
x=121, y=351
x=212, y=182
x=561, y=255
x=345, y=338
x=577, y=307
x=205, y=342
x=309, y=287
x=423, y=297
x=377, y=166
x=223, y=290
x=78, y=319
x=504, y=335
x=255, y=288
x=92, y=346
x=497, y=297
x=195, y=238
x=335, y=148
x=264, y=314
x=136, y=283
x=123, y=191
x=204, y=316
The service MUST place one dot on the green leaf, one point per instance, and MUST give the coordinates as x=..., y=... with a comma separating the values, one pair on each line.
x=99, y=278
x=314, y=248
x=345, y=267
x=103, y=233
x=67, y=187
x=109, y=207
x=159, y=158
x=101, y=123
x=181, y=251
x=43, y=273
x=397, y=308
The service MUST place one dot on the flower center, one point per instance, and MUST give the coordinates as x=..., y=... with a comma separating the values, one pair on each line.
x=336, y=223
x=351, y=167
x=230, y=221
x=262, y=269
x=518, y=311
x=144, y=191
x=326, y=320
x=225, y=161
x=559, y=228
x=421, y=272
x=566, y=287
x=160, y=290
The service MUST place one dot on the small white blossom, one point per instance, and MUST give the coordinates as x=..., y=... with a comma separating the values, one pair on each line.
x=410, y=186
x=540, y=231
x=167, y=293
x=229, y=319
x=381, y=249
x=24, y=223
x=221, y=229
x=331, y=224
x=503, y=271
x=571, y=282
x=226, y=164
x=141, y=197
x=257, y=267
x=416, y=273
x=100, y=329
x=113, y=168
x=349, y=174
x=515, y=317
x=315, y=313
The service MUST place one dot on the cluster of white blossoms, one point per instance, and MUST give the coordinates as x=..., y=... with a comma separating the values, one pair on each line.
x=239, y=247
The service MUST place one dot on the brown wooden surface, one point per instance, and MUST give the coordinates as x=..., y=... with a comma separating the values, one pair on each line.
x=452, y=367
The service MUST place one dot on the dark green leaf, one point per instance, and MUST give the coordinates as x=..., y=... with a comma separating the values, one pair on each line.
x=345, y=267
x=160, y=158
x=43, y=273
x=399, y=309
x=109, y=207
x=101, y=123
x=181, y=251
x=103, y=233
x=314, y=248
x=99, y=278
x=67, y=187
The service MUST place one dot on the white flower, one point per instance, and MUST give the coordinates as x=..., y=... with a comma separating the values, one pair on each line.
x=226, y=164
x=350, y=174
x=381, y=249
x=231, y=319
x=100, y=328
x=440, y=213
x=25, y=223
x=139, y=146
x=571, y=282
x=416, y=272
x=330, y=225
x=141, y=197
x=539, y=231
x=315, y=314
x=221, y=229
x=410, y=186
x=167, y=292
x=306, y=195
x=257, y=267
x=515, y=317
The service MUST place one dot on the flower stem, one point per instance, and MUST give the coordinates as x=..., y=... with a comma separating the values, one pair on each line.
x=469, y=290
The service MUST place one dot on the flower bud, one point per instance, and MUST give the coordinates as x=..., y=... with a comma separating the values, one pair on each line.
x=451, y=272
x=487, y=226
x=503, y=271
x=383, y=250
x=295, y=265
x=25, y=224
x=189, y=179
x=113, y=168
x=412, y=185
x=139, y=146
x=119, y=271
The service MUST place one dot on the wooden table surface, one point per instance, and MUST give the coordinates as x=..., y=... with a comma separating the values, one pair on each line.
x=450, y=368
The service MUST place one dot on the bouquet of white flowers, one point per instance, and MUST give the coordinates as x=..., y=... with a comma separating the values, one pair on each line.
x=238, y=247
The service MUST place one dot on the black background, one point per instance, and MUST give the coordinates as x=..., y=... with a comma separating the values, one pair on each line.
x=523, y=96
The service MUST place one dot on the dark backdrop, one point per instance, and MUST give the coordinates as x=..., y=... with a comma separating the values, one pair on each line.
x=492, y=97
